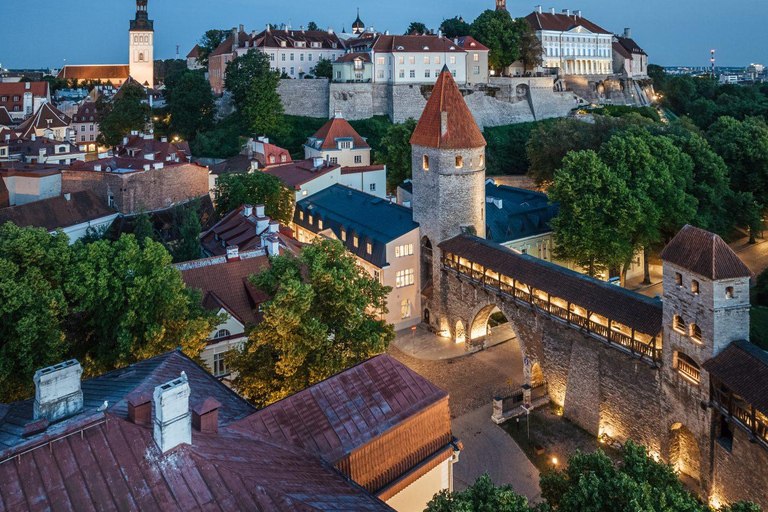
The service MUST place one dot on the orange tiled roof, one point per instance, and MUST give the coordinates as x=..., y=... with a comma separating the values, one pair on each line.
x=338, y=128
x=96, y=72
x=458, y=130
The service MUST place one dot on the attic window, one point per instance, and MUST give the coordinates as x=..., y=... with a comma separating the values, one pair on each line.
x=368, y=248
x=319, y=223
x=283, y=44
x=355, y=242
x=401, y=48
x=426, y=48
x=343, y=235
x=453, y=47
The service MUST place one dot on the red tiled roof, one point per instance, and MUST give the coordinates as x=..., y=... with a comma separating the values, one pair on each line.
x=629, y=308
x=96, y=72
x=229, y=282
x=743, y=368
x=561, y=22
x=298, y=173
x=5, y=117
x=415, y=44
x=194, y=53
x=362, y=168
x=138, y=147
x=460, y=130
x=705, y=254
x=470, y=43
x=338, y=128
x=350, y=57
x=11, y=90
x=271, y=150
x=275, y=38
x=46, y=116
x=58, y=212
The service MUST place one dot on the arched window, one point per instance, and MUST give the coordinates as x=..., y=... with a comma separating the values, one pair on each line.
x=695, y=286
x=141, y=57
x=221, y=333
x=696, y=333
x=679, y=324
x=425, y=162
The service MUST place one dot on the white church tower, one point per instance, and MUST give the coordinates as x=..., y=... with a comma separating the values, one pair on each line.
x=141, y=46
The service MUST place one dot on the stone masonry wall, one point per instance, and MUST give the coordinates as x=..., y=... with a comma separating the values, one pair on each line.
x=308, y=98
x=741, y=473
x=354, y=100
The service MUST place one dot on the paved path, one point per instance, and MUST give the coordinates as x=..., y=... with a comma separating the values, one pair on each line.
x=488, y=449
x=423, y=344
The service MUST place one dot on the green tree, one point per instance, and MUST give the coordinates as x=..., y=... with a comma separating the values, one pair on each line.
x=482, y=496
x=323, y=317
x=323, y=69
x=143, y=229
x=501, y=34
x=659, y=76
x=123, y=115
x=235, y=190
x=32, y=304
x=186, y=231
x=395, y=152
x=127, y=304
x=312, y=26
x=417, y=27
x=530, y=46
x=222, y=141
x=190, y=103
x=455, y=27
x=597, y=214
x=208, y=43
x=254, y=90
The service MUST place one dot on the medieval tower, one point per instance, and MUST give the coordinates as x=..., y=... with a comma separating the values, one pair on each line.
x=706, y=308
x=448, y=152
x=141, y=46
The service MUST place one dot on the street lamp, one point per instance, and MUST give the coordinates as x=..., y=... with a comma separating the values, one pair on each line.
x=554, y=463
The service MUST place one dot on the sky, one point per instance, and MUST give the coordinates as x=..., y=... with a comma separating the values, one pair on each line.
x=672, y=32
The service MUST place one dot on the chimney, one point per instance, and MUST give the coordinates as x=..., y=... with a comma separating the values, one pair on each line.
x=125, y=140
x=147, y=167
x=172, y=423
x=274, y=226
x=247, y=210
x=242, y=28
x=259, y=210
x=317, y=162
x=537, y=9
x=443, y=123
x=552, y=10
x=330, y=30
x=578, y=13
x=302, y=29
x=34, y=137
x=272, y=242
x=140, y=408
x=158, y=165
x=498, y=203
x=627, y=33
x=57, y=391
x=440, y=33
x=205, y=416
x=269, y=27
x=164, y=138
x=337, y=114
x=233, y=253
x=567, y=12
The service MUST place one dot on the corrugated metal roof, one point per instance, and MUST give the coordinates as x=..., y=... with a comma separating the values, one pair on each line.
x=629, y=308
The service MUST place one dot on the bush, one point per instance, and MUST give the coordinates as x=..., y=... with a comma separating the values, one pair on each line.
x=505, y=153
x=625, y=110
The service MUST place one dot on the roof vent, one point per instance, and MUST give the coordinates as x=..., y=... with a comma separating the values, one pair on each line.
x=172, y=425
x=205, y=416
x=57, y=391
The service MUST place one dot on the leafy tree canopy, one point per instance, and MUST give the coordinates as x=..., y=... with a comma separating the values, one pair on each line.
x=208, y=43
x=253, y=85
x=417, y=27
x=455, y=27
x=395, y=152
x=322, y=318
x=123, y=115
x=191, y=104
x=323, y=69
x=235, y=190
x=312, y=26
x=501, y=34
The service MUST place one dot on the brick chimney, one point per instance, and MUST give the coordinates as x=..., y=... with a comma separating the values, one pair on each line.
x=172, y=422
x=140, y=408
x=205, y=416
x=57, y=391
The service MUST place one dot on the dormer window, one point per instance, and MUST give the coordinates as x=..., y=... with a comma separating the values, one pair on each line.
x=343, y=235
x=368, y=248
x=272, y=159
x=301, y=215
x=355, y=241
x=282, y=158
x=311, y=219
x=319, y=223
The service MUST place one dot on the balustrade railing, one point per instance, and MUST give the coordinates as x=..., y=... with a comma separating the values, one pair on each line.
x=687, y=369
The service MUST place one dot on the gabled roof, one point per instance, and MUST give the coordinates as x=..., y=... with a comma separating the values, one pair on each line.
x=58, y=212
x=337, y=128
x=469, y=43
x=515, y=213
x=226, y=45
x=743, y=368
x=351, y=57
x=447, y=122
x=561, y=22
x=415, y=44
x=5, y=117
x=630, y=45
x=295, y=174
x=47, y=116
x=704, y=253
x=276, y=38
x=96, y=72
x=86, y=113
x=11, y=90
x=618, y=48
x=629, y=308
x=229, y=283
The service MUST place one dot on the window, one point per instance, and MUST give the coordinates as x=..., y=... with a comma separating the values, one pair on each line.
x=459, y=162
x=696, y=333
x=426, y=73
x=452, y=59
x=282, y=57
x=369, y=248
x=301, y=56
x=678, y=279
x=380, y=61
x=377, y=275
x=111, y=200
x=413, y=73
x=343, y=235
x=679, y=324
x=695, y=286
x=334, y=160
x=219, y=365
x=412, y=59
x=311, y=219
x=401, y=60
x=425, y=162
x=221, y=333
x=405, y=309
x=372, y=187
x=358, y=159
x=403, y=250
x=729, y=292
x=380, y=73
x=272, y=56
x=404, y=278
x=345, y=144
x=476, y=70
x=476, y=57
x=482, y=160
x=319, y=223
x=293, y=56
x=437, y=60
x=401, y=73
x=426, y=59
x=292, y=71
x=355, y=241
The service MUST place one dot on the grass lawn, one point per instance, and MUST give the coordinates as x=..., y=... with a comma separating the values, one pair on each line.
x=557, y=436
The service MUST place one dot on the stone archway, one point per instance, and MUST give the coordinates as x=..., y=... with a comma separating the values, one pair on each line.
x=684, y=453
x=537, y=376
x=461, y=332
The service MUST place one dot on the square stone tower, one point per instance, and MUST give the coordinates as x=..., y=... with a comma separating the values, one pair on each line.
x=706, y=307
x=141, y=45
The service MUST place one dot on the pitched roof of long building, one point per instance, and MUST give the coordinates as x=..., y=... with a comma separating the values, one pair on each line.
x=447, y=122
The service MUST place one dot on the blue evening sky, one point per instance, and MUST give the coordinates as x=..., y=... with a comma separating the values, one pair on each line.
x=673, y=32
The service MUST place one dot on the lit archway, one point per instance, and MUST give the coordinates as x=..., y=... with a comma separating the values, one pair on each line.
x=684, y=453
x=537, y=376
x=461, y=333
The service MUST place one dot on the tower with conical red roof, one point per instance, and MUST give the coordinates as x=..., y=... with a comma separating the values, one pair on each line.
x=448, y=152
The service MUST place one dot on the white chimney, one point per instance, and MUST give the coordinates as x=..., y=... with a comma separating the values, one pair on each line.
x=330, y=30
x=97, y=167
x=552, y=10
x=498, y=203
x=274, y=226
x=57, y=391
x=125, y=140
x=272, y=243
x=260, y=210
x=578, y=13
x=28, y=86
x=247, y=210
x=627, y=33
x=158, y=165
x=317, y=162
x=34, y=137
x=173, y=421
x=233, y=253
x=440, y=33
x=164, y=138
x=567, y=12
x=147, y=167
x=538, y=9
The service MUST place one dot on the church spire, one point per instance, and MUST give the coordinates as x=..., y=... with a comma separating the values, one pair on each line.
x=142, y=21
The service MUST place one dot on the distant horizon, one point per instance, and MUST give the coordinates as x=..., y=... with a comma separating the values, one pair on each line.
x=670, y=32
